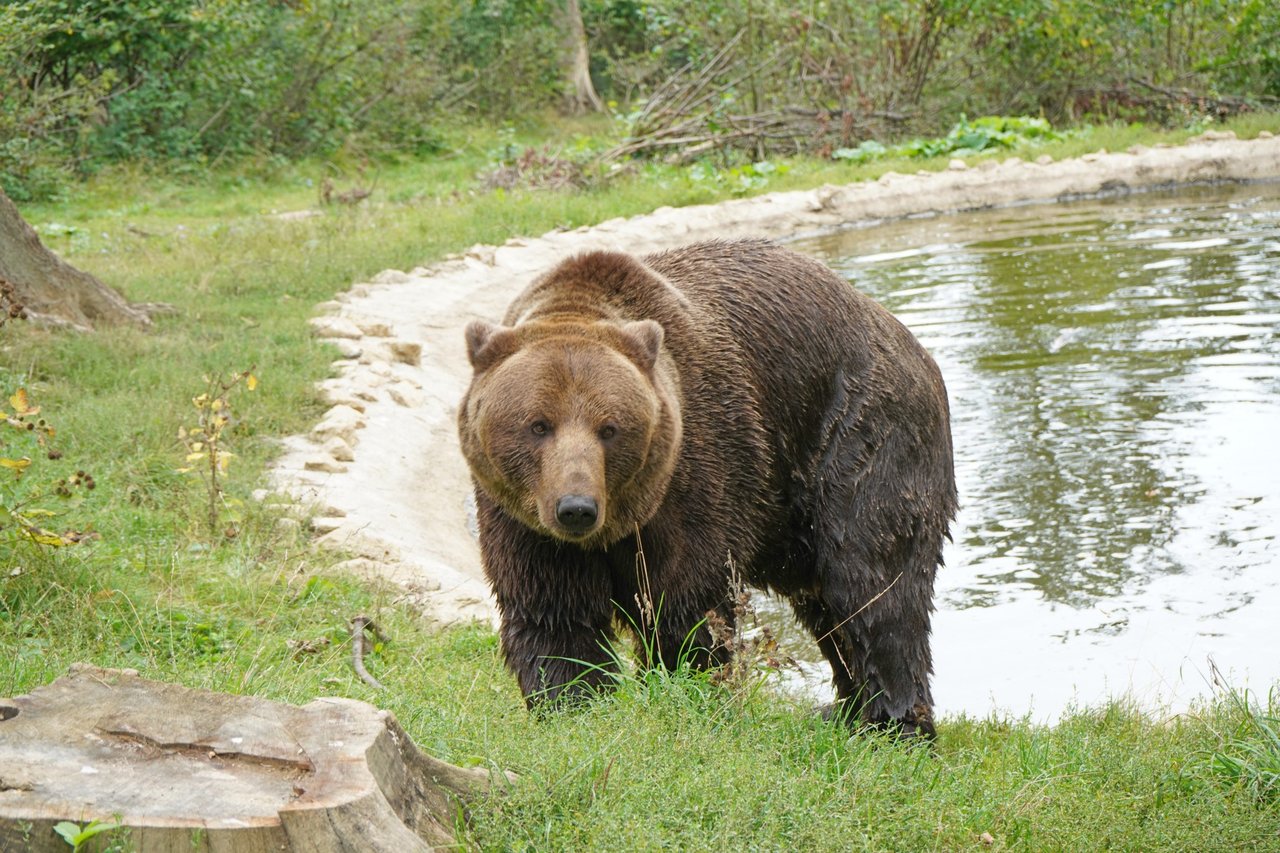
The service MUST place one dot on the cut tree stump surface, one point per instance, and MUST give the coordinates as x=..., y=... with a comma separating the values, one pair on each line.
x=184, y=769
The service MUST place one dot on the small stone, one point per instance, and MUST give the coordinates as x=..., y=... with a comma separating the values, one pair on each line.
x=340, y=396
x=407, y=397
x=332, y=306
x=339, y=450
x=482, y=253
x=391, y=277
x=1265, y=134
x=342, y=422
x=1214, y=136
x=325, y=465
x=335, y=327
x=331, y=512
x=406, y=352
x=349, y=348
x=957, y=165
x=326, y=525
x=375, y=329
x=1044, y=160
x=1138, y=149
x=366, y=395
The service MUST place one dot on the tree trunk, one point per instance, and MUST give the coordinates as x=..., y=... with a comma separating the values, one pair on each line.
x=51, y=290
x=581, y=94
x=168, y=768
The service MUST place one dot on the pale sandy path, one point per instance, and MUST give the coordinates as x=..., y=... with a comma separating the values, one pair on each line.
x=383, y=469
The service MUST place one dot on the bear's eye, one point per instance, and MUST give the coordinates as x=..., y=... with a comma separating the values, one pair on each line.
x=607, y=432
x=540, y=428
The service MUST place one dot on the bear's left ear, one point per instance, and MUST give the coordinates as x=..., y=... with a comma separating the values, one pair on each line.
x=646, y=337
x=487, y=343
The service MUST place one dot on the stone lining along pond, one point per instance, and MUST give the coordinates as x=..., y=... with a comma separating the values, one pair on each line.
x=1114, y=373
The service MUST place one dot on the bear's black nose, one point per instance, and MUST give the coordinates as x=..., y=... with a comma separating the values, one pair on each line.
x=577, y=513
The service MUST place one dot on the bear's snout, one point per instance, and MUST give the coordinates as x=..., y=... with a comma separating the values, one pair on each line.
x=577, y=513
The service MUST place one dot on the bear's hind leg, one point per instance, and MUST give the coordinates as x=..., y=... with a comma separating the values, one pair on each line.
x=879, y=673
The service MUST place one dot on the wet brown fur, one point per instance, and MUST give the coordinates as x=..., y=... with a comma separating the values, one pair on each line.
x=762, y=410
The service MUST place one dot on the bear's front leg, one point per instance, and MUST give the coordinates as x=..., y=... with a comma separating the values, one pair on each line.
x=556, y=612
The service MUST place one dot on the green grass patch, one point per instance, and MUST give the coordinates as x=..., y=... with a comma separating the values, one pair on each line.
x=668, y=761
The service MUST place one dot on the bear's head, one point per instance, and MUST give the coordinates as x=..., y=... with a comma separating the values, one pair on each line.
x=572, y=425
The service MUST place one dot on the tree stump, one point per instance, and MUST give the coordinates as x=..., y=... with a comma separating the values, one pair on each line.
x=191, y=770
x=52, y=290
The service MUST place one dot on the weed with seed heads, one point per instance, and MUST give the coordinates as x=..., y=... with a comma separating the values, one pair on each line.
x=205, y=442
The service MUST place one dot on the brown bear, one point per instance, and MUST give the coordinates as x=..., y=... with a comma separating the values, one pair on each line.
x=639, y=424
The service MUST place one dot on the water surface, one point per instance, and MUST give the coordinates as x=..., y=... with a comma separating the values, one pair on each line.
x=1114, y=374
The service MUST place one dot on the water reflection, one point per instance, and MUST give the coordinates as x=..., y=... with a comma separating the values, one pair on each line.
x=1114, y=370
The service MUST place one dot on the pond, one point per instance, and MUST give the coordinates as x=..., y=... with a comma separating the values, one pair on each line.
x=1114, y=373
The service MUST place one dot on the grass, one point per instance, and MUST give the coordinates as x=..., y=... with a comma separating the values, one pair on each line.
x=667, y=762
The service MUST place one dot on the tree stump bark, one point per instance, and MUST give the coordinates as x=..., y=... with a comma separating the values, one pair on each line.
x=191, y=770
x=52, y=290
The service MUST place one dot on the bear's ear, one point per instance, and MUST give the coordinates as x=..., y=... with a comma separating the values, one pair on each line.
x=645, y=336
x=488, y=343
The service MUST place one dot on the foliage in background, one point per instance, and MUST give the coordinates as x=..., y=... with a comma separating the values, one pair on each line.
x=196, y=82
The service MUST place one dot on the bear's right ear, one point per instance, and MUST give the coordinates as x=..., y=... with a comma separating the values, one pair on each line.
x=488, y=343
x=645, y=337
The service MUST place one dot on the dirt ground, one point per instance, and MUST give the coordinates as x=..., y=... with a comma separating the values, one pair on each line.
x=382, y=472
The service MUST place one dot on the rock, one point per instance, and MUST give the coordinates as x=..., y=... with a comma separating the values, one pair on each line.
x=408, y=397
x=406, y=352
x=1265, y=134
x=482, y=253
x=349, y=348
x=341, y=421
x=332, y=306
x=375, y=329
x=1044, y=160
x=340, y=395
x=324, y=465
x=957, y=165
x=335, y=327
x=324, y=524
x=391, y=277
x=339, y=450
x=1213, y=136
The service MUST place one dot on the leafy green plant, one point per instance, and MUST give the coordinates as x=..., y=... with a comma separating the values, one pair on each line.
x=25, y=438
x=965, y=137
x=205, y=442
x=77, y=836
